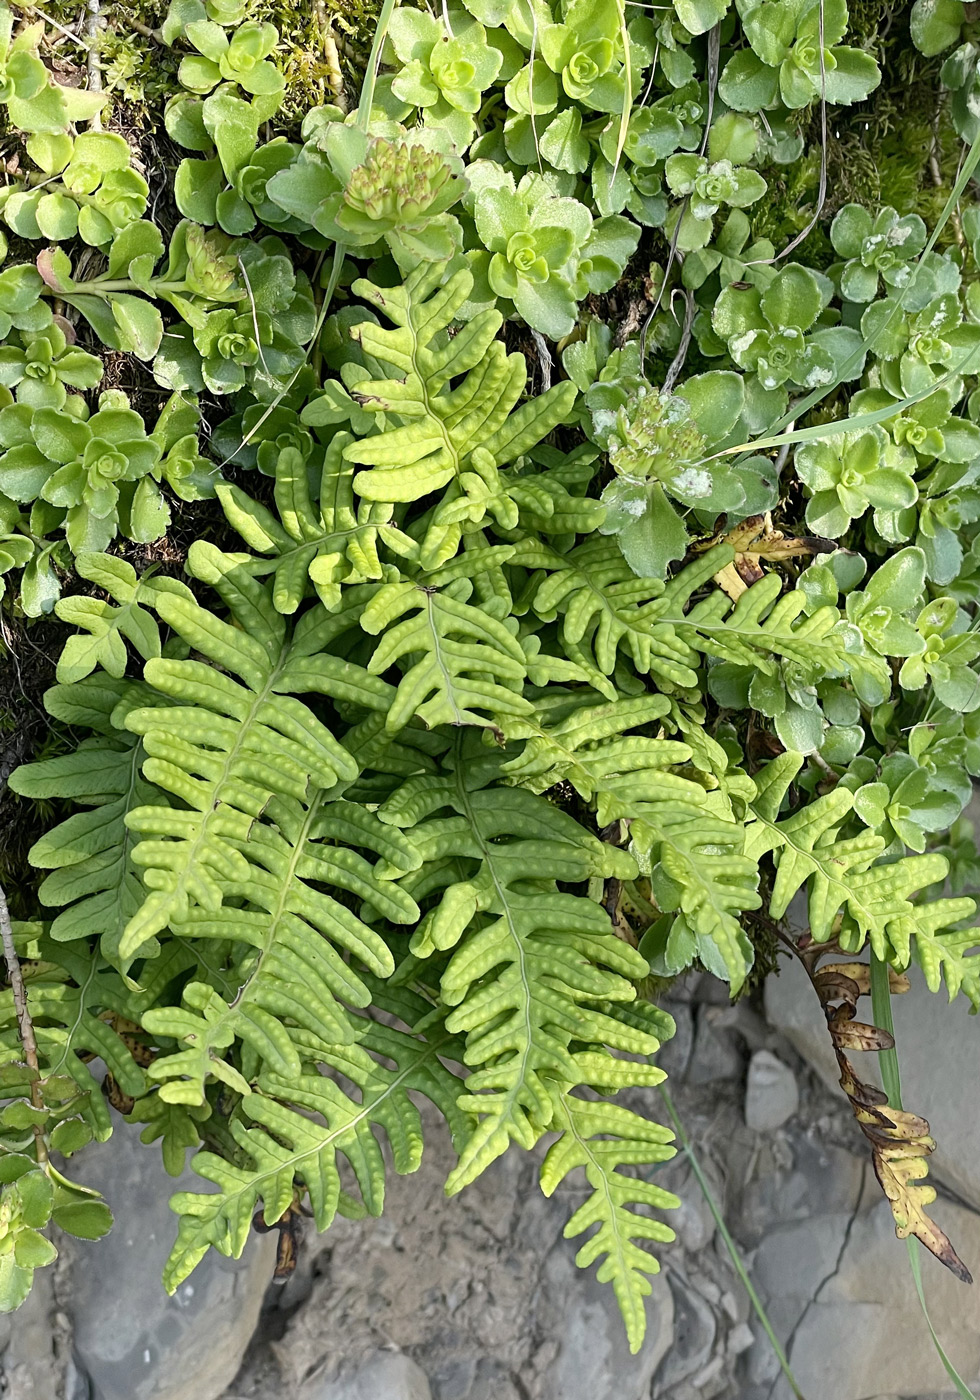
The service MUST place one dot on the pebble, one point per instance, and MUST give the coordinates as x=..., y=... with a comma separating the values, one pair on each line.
x=772, y=1095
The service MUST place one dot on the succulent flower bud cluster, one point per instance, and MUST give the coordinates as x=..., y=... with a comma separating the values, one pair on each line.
x=400, y=183
x=656, y=436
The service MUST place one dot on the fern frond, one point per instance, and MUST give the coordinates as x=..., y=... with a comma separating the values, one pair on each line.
x=173, y=1125
x=948, y=956
x=691, y=838
x=329, y=544
x=90, y=854
x=532, y=963
x=287, y=939
x=605, y=608
x=840, y=874
x=470, y=668
x=764, y=623
x=603, y=1137
x=109, y=626
x=286, y=1150
x=226, y=747
x=434, y=436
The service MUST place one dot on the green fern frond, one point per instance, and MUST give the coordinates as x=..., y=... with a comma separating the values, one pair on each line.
x=605, y=608
x=531, y=964
x=468, y=662
x=287, y=939
x=109, y=626
x=948, y=956
x=329, y=544
x=765, y=622
x=434, y=436
x=286, y=1150
x=90, y=854
x=840, y=875
x=173, y=1125
x=258, y=741
x=691, y=839
x=208, y=1025
x=602, y=1137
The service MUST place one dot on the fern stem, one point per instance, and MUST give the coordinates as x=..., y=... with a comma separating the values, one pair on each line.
x=25, y=1025
x=891, y=1081
x=730, y=1245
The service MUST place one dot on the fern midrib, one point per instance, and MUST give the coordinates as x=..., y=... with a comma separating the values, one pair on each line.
x=437, y=654
x=130, y=840
x=429, y=1048
x=327, y=538
x=786, y=841
x=757, y=637
x=428, y=400
x=613, y=1211
x=81, y=1008
x=243, y=730
x=524, y=1060
x=296, y=852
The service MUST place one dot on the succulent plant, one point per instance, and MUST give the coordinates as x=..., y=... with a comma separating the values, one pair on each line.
x=45, y=365
x=359, y=190
x=85, y=467
x=884, y=247
x=657, y=436
x=398, y=185
x=242, y=59
x=852, y=473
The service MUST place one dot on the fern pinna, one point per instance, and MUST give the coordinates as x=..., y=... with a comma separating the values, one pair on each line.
x=426, y=746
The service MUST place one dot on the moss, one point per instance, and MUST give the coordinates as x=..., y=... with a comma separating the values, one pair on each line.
x=323, y=49
x=322, y=52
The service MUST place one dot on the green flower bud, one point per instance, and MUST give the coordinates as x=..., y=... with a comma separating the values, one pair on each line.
x=399, y=184
x=655, y=436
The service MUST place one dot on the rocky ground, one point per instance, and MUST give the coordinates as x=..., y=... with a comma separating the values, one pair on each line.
x=478, y=1298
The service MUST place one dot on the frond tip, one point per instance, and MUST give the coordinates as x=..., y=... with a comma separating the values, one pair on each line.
x=603, y=1137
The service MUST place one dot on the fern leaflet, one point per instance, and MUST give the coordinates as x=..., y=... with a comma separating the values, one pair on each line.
x=840, y=874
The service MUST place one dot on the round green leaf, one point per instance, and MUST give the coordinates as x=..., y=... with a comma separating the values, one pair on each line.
x=792, y=298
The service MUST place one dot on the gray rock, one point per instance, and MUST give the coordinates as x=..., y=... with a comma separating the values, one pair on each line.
x=134, y=1342
x=771, y=1093
x=716, y=1054
x=382, y=1375
x=941, y=1086
x=694, y=1333
x=77, y=1384
x=805, y=1180
x=859, y=1334
x=33, y=1367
